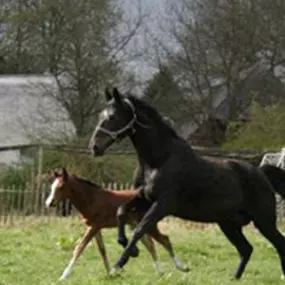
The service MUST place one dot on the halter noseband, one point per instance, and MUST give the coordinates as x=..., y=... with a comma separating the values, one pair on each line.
x=129, y=125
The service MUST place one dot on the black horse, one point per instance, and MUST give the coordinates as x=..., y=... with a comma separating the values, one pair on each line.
x=181, y=183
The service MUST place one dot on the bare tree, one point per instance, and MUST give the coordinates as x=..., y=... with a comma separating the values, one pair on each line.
x=272, y=31
x=213, y=47
x=81, y=43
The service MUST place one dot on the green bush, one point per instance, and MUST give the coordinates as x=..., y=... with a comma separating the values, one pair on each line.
x=116, y=168
x=265, y=129
x=16, y=176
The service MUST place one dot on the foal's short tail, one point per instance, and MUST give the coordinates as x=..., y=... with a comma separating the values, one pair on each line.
x=276, y=176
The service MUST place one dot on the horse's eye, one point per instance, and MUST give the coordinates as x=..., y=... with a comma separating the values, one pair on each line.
x=111, y=116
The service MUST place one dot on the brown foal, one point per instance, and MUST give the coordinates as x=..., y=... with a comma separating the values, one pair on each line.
x=98, y=207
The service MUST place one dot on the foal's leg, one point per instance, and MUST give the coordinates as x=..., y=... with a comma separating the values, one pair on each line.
x=165, y=242
x=156, y=212
x=236, y=237
x=102, y=250
x=149, y=244
x=78, y=251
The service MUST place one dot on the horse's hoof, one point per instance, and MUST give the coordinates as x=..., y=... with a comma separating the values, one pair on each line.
x=114, y=271
x=235, y=277
x=134, y=252
x=122, y=241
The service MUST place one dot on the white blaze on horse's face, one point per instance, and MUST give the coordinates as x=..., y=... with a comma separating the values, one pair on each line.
x=50, y=198
x=106, y=114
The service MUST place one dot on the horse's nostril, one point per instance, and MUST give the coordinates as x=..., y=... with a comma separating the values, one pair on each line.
x=95, y=150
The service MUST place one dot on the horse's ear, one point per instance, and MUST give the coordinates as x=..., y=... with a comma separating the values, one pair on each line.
x=108, y=94
x=64, y=174
x=117, y=95
x=55, y=174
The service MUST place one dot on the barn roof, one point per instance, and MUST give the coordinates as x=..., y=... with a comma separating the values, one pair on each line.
x=29, y=113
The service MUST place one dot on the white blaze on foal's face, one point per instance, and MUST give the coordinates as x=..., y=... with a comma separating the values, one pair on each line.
x=53, y=190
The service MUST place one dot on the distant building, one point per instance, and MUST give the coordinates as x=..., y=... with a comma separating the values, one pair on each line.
x=29, y=113
x=260, y=83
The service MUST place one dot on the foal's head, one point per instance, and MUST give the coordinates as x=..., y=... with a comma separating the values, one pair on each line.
x=59, y=188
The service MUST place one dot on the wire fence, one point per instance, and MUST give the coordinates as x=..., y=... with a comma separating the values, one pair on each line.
x=19, y=205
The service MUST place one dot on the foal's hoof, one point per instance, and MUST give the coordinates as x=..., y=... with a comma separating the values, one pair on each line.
x=185, y=268
x=134, y=252
x=62, y=277
x=180, y=266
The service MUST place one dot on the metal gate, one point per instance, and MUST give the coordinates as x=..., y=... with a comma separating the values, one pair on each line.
x=277, y=159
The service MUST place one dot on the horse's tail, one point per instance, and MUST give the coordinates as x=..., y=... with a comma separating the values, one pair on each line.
x=276, y=176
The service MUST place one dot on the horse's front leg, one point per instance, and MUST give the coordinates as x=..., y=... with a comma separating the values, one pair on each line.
x=156, y=212
x=78, y=250
x=122, y=219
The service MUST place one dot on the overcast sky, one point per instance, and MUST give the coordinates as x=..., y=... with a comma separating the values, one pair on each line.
x=151, y=9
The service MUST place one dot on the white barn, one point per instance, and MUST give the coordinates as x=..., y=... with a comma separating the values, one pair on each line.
x=29, y=114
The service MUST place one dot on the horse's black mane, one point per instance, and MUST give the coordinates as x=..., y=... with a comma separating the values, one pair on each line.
x=88, y=182
x=150, y=111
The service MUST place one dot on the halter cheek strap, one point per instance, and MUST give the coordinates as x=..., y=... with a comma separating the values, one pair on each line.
x=129, y=125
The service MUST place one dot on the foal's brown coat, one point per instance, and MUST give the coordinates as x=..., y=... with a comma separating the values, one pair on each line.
x=98, y=208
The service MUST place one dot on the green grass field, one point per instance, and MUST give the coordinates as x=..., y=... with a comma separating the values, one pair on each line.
x=36, y=253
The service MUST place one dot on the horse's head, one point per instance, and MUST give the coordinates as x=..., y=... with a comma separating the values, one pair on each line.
x=59, y=189
x=115, y=122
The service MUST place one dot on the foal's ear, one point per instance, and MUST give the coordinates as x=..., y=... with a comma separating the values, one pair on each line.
x=48, y=176
x=117, y=95
x=64, y=174
x=108, y=94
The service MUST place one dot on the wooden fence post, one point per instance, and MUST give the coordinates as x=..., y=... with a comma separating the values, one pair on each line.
x=39, y=179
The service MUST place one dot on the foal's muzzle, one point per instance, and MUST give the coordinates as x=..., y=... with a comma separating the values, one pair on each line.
x=51, y=204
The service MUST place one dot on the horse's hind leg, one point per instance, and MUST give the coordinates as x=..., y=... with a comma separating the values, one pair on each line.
x=165, y=242
x=270, y=231
x=234, y=234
